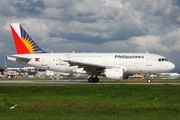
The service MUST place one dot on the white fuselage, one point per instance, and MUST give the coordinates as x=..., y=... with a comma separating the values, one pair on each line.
x=132, y=62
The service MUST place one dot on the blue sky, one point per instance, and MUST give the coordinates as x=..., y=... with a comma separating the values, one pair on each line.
x=95, y=26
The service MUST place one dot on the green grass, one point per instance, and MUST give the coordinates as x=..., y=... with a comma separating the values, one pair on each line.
x=90, y=102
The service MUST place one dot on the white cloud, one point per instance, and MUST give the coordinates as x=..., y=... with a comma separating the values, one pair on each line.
x=148, y=43
x=95, y=25
x=174, y=39
x=113, y=3
x=6, y=9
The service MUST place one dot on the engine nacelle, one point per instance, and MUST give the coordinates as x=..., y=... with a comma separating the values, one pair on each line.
x=114, y=73
x=79, y=70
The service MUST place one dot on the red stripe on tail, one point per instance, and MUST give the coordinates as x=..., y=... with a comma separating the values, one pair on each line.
x=20, y=47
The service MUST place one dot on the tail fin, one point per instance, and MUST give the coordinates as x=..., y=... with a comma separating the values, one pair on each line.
x=23, y=42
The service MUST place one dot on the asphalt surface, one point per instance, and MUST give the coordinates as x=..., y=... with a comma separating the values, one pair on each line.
x=63, y=82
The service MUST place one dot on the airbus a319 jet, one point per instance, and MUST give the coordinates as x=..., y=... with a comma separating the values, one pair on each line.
x=110, y=65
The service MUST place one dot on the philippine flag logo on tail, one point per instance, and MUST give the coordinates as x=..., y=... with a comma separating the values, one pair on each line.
x=23, y=42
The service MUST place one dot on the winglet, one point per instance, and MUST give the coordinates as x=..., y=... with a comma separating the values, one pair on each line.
x=23, y=42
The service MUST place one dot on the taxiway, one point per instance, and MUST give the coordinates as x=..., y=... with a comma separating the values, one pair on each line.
x=64, y=82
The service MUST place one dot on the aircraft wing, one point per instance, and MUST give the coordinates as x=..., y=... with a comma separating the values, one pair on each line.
x=88, y=67
x=18, y=59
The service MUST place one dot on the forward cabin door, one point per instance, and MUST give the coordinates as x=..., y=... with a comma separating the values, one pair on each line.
x=148, y=60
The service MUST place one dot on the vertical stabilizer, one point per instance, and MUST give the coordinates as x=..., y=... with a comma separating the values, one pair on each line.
x=23, y=42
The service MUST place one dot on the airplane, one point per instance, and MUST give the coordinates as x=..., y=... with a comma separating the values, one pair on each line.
x=110, y=65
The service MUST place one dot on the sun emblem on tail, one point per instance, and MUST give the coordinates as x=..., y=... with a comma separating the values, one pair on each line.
x=29, y=44
x=27, y=40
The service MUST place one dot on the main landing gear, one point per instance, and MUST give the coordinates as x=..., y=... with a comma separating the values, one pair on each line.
x=93, y=79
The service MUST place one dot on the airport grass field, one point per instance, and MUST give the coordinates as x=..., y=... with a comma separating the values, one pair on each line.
x=90, y=102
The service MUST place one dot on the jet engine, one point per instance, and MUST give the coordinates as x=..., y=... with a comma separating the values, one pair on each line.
x=114, y=73
x=79, y=70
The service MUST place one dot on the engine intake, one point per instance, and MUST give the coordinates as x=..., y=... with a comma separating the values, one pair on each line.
x=114, y=73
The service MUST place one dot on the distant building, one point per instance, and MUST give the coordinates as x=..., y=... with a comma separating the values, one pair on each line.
x=2, y=70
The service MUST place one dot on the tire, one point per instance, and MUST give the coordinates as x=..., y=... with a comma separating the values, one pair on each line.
x=96, y=79
x=149, y=81
x=90, y=80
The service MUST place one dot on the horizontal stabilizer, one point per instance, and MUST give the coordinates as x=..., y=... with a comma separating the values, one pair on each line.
x=18, y=59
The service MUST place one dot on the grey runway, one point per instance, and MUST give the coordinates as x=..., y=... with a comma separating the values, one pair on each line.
x=64, y=82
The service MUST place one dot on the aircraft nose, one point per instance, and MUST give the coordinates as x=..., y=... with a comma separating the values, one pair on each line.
x=171, y=66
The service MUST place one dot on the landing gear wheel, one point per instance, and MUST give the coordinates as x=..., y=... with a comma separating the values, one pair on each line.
x=149, y=80
x=91, y=80
x=96, y=79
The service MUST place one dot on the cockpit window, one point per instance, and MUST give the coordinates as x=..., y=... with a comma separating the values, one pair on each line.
x=162, y=59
